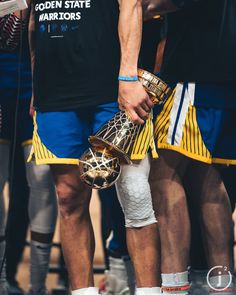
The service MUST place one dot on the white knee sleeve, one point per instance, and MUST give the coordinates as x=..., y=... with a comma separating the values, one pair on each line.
x=42, y=202
x=134, y=194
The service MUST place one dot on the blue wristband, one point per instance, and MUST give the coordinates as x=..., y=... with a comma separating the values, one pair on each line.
x=128, y=79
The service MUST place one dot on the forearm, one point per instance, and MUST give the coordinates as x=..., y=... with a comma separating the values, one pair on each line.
x=130, y=31
x=132, y=96
x=31, y=37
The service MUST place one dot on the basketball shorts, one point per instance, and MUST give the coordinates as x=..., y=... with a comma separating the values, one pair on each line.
x=201, y=131
x=62, y=137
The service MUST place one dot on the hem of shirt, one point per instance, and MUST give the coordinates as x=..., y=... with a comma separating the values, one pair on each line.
x=73, y=106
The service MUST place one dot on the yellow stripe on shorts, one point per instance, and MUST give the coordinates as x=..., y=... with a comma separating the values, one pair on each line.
x=191, y=144
x=144, y=142
x=42, y=155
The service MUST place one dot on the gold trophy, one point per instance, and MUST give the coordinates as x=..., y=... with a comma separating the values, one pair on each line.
x=113, y=143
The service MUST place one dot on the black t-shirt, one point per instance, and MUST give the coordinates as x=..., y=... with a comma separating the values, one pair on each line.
x=77, y=53
x=201, y=43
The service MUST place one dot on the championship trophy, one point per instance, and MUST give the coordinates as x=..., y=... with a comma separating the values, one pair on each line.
x=112, y=144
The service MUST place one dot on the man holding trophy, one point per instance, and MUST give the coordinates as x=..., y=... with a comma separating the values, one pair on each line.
x=76, y=66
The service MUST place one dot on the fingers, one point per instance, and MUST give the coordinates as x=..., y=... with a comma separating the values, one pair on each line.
x=147, y=106
x=149, y=103
x=121, y=107
x=135, y=101
x=137, y=113
x=137, y=117
x=134, y=117
x=141, y=112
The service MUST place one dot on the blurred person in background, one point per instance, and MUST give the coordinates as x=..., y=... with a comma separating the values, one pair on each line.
x=16, y=92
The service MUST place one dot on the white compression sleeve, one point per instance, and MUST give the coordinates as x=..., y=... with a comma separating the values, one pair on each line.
x=134, y=194
x=42, y=202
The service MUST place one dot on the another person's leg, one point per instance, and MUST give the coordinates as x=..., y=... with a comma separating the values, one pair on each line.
x=17, y=222
x=4, y=173
x=228, y=175
x=170, y=205
x=120, y=276
x=142, y=232
x=198, y=261
x=212, y=201
x=42, y=214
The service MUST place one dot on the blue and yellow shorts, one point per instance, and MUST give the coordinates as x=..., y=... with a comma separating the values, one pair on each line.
x=62, y=137
x=198, y=126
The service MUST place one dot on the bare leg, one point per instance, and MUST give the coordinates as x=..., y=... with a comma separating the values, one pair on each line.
x=143, y=246
x=211, y=198
x=142, y=232
x=170, y=205
x=77, y=235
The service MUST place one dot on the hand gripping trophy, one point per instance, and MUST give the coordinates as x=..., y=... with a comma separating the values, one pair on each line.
x=113, y=143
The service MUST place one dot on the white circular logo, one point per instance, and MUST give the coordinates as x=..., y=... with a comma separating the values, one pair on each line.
x=222, y=270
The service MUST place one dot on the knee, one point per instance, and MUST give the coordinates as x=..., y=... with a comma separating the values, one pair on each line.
x=135, y=198
x=73, y=199
x=39, y=177
x=216, y=194
x=141, y=222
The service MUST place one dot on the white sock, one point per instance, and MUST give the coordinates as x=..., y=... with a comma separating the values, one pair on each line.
x=173, y=280
x=117, y=267
x=117, y=280
x=85, y=291
x=148, y=291
x=39, y=261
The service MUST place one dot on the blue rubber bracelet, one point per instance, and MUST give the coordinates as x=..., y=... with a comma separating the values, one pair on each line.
x=128, y=79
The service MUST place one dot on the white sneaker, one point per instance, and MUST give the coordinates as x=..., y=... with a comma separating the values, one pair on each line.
x=115, y=286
